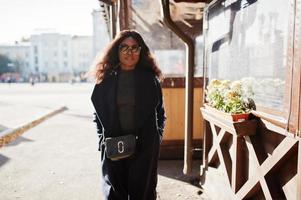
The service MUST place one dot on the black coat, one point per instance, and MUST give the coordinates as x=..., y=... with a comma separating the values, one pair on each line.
x=141, y=174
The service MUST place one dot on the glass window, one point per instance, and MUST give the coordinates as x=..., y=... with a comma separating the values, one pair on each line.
x=248, y=42
x=167, y=47
x=172, y=62
x=199, y=45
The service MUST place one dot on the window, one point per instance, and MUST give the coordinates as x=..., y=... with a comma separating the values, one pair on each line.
x=199, y=45
x=168, y=48
x=64, y=43
x=172, y=62
x=35, y=50
x=250, y=44
x=36, y=61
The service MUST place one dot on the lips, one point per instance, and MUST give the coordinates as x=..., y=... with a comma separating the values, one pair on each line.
x=129, y=58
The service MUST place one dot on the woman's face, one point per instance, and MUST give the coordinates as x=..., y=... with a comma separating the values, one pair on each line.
x=129, y=53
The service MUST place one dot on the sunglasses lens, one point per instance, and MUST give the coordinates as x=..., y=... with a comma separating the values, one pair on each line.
x=125, y=49
x=135, y=49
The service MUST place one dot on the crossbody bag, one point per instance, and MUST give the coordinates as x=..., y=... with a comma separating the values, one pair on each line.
x=121, y=147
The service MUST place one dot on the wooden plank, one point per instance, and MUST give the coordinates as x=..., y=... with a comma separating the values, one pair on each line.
x=224, y=162
x=216, y=143
x=247, y=127
x=174, y=108
x=298, y=195
x=206, y=146
x=197, y=119
x=228, y=126
x=237, y=163
x=265, y=188
x=266, y=166
x=278, y=153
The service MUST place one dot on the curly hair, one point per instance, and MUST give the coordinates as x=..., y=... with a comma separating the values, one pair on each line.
x=109, y=59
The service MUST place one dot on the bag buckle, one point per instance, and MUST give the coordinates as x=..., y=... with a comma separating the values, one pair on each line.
x=120, y=147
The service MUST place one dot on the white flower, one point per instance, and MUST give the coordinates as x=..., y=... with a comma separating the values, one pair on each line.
x=236, y=86
x=232, y=97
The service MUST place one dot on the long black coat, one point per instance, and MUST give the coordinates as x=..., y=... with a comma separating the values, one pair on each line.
x=136, y=177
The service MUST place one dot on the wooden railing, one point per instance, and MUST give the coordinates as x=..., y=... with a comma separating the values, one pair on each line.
x=249, y=160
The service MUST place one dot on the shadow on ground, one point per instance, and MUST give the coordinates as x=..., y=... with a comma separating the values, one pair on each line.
x=3, y=160
x=19, y=140
x=3, y=128
x=174, y=169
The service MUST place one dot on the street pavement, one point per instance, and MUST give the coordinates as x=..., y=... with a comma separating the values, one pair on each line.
x=58, y=159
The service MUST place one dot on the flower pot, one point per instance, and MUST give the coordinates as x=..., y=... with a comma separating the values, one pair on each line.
x=228, y=116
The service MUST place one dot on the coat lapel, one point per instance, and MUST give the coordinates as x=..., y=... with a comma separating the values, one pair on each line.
x=145, y=97
x=111, y=103
x=104, y=100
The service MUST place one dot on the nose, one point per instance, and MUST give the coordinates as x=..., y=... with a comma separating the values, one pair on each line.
x=129, y=51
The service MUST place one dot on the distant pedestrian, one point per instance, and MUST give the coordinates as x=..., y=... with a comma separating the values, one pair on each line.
x=128, y=102
x=31, y=80
x=9, y=80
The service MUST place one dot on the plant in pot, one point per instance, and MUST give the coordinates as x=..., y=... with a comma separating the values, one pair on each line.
x=231, y=97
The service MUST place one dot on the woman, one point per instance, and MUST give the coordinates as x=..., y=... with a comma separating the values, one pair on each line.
x=128, y=99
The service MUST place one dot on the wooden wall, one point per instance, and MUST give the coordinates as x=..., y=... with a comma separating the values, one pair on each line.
x=172, y=146
x=174, y=99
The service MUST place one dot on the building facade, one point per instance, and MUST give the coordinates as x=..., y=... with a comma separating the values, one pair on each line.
x=100, y=32
x=19, y=54
x=50, y=56
x=81, y=54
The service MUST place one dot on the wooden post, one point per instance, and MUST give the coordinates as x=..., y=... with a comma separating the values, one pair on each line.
x=238, y=161
x=298, y=195
x=112, y=10
x=125, y=14
x=113, y=19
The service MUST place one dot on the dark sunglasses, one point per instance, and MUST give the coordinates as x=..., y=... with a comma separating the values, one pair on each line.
x=124, y=49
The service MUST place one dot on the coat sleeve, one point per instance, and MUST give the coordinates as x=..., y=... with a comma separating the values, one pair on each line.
x=99, y=129
x=160, y=111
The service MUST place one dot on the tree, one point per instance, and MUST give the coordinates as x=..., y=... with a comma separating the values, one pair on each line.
x=4, y=62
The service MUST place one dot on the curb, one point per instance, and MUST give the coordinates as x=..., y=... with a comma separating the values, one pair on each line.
x=12, y=134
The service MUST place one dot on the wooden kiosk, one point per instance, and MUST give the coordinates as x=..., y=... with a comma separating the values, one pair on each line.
x=259, y=158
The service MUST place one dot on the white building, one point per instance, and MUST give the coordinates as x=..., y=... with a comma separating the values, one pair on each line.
x=100, y=32
x=82, y=54
x=51, y=56
x=20, y=53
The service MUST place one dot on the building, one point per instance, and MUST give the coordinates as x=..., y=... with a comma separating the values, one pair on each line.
x=19, y=53
x=59, y=57
x=50, y=56
x=100, y=32
x=81, y=54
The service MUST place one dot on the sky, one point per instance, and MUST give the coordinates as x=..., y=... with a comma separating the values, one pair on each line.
x=21, y=18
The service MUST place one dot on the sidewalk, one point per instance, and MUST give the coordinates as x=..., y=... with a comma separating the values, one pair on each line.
x=173, y=184
x=58, y=159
